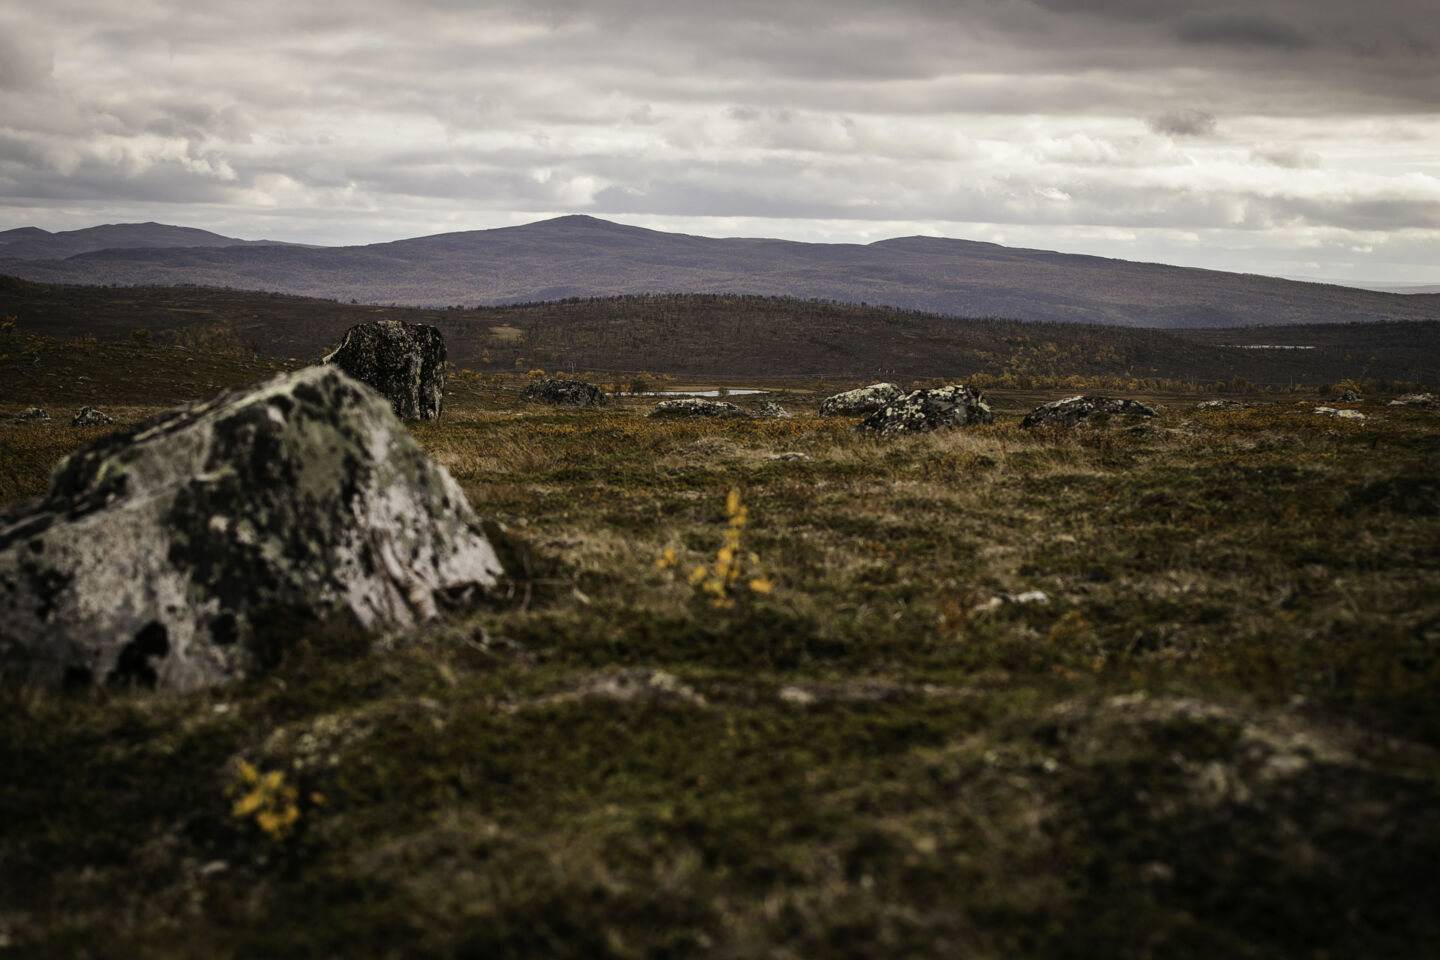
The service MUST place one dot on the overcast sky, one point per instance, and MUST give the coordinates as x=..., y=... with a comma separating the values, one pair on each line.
x=1288, y=137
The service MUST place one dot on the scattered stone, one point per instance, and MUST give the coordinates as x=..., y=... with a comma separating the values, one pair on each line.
x=771, y=409
x=1340, y=414
x=1426, y=400
x=32, y=413
x=158, y=550
x=1221, y=405
x=787, y=456
x=1001, y=599
x=696, y=407
x=405, y=362
x=90, y=417
x=623, y=686
x=563, y=393
x=863, y=400
x=1072, y=410
x=922, y=410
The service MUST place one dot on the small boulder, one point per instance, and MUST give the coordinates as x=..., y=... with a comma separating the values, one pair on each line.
x=771, y=409
x=921, y=410
x=90, y=417
x=860, y=401
x=159, y=549
x=696, y=407
x=404, y=362
x=32, y=413
x=1074, y=410
x=1349, y=395
x=563, y=393
x=1423, y=400
x=1220, y=405
x=1340, y=414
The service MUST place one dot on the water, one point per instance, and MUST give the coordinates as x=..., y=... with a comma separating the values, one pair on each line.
x=696, y=393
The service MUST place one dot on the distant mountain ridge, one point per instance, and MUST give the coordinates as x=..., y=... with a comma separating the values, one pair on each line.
x=581, y=256
x=32, y=243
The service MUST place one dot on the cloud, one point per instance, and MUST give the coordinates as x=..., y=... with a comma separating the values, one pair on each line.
x=1184, y=122
x=1241, y=30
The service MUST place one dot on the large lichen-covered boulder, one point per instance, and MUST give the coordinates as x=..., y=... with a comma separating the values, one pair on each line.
x=1072, y=411
x=696, y=407
x=563, y=393
x=859, y=401
x=919, y=411
x=405, y=362
x=159, y=549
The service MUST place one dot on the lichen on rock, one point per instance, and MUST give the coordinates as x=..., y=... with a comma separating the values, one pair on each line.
x=696, y=407
x=859, y=401
x=1073, y=411
x=919, y=411
x=159, y=549
x=404, y=362
x=563, y=393
x=770, y=409
x=90, y=417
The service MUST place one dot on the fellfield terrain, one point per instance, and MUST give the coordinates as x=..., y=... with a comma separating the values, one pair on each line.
x=582, y=256
x=1161, y=687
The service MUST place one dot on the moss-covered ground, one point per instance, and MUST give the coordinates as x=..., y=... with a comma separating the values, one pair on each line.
x=1217, y=737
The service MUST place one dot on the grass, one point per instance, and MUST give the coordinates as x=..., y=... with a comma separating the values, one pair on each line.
x=1217, y=738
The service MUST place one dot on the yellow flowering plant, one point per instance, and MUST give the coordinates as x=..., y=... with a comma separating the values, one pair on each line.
x=734, y=569
x=268, y=799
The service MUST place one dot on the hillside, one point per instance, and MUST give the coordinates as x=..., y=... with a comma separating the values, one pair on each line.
x=739, y=337
x=32, y=243
x=585, y=257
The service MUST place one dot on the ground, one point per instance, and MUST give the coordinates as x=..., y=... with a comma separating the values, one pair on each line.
x=1216, y=735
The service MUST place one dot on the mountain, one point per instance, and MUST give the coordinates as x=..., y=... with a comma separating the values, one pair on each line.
x=32, y=243
x=579, y=256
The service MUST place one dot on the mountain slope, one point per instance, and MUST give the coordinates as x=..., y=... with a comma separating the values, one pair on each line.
x=32, y=243
x=583, y=256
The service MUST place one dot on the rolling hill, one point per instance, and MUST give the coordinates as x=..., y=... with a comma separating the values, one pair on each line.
x=579, y=256
x=32, y=243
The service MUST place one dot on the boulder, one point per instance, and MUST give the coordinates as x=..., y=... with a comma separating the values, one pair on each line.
x=1074, y=410
x=160, y=551
x=563, y=393
x=860, y=401
x=696, y=407
x=1350, y=395
x=90, y=417
x=1220, y=405
x=953, y=406
x=32, y=413
x=405, y=362
x=771, y=409
x=1340, y=414
x=1423, y=400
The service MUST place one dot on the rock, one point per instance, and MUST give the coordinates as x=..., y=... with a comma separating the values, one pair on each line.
x=158, y=550
x=771, y=409
x=563, y=393
x=90, y=417
x=953, y=406
x=1349, y=396
x=32, y=413
x=696, y=407
x=864, y=400
x=1220, y=405
x=1425, y=400
x=1072, y=410
x=787, y=457
x=405, y=362
x=1340, y=414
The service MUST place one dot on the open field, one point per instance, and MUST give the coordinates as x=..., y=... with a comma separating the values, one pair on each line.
x=1217, y=736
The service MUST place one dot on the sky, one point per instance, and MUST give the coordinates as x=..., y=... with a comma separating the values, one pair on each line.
x=1284, y=137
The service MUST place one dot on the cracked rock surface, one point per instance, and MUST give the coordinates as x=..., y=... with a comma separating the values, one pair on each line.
x=159, y=548
x=404, y=362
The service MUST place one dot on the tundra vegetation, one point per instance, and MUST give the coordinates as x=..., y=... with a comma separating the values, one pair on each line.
x=1126, y=690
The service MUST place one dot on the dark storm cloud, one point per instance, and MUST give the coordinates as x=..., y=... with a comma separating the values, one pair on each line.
x=1243, y=30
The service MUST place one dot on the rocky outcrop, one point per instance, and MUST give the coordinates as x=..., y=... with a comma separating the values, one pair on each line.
x=922, y=410
x=860, y=401
x=1425, y=401
x=90, y=417
x=1073, y=411
x=771, y=409
x=158, y=550
x=696, y=407
x=563, y=393
x=32, y=413
x=404, y=362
